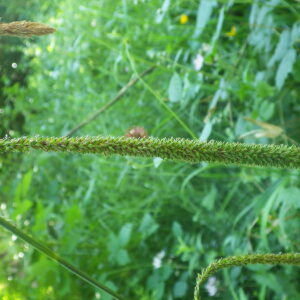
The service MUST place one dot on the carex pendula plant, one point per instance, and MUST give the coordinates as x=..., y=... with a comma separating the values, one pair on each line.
x=174, y=149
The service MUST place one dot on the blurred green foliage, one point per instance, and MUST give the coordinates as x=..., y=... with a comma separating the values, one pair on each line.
x=145, y=227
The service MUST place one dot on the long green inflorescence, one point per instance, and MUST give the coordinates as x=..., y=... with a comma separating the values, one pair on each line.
x=243, y=260
x=176, y=149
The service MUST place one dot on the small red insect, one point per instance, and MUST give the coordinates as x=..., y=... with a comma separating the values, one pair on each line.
x=137, y=132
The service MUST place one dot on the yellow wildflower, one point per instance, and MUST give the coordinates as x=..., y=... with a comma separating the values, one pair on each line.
x=232, y=32
x=183, y=19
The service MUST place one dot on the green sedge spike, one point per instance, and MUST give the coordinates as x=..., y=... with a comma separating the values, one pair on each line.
x=243, y=260
x=176, y=149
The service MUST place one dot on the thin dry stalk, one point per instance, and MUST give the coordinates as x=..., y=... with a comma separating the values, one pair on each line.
x=120, y=94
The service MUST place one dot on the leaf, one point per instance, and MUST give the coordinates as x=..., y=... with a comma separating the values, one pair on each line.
x=269, y=280
x=203, y=15
x=73, y=216
x=296, y=71
x=281, y=48
x=209, y=200
x=290, y=198
x=189, y=91
x=176, y=229
x=264, y=242
x=122, y=257
x=153, y=280
x=242, y=295
x=253, y=15
x=218, y=29
x=44, y=267
x=162, y=11
x=285, y=67
x=112, y=244
x=265, y=9
x=125, y=233
x=240, y=126
x=206, y=131
x=180, y=289
x=261, y=22
x=266, y=111
x=166, y=272
x=148, y=225
x=175, y=88
x=23, y=187
x=26, y=183
x=220, y=93
x=40, y=225
x=157, y=161
x=295, y=34
x=263, y=89
x=290, y=201
x=21, y=208
x=112, y=286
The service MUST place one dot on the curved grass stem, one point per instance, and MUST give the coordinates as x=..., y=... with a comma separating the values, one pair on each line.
x=243, y=260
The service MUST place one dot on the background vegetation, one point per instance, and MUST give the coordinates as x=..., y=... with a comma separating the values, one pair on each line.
x=226, y=70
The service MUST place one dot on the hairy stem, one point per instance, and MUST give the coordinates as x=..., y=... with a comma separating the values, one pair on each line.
x=243, y=260
x=192, y=151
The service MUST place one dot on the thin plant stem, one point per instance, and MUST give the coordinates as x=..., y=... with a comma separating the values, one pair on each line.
x=193, y=151
x=243, y=260
x=54, y=256
x=110, y=103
